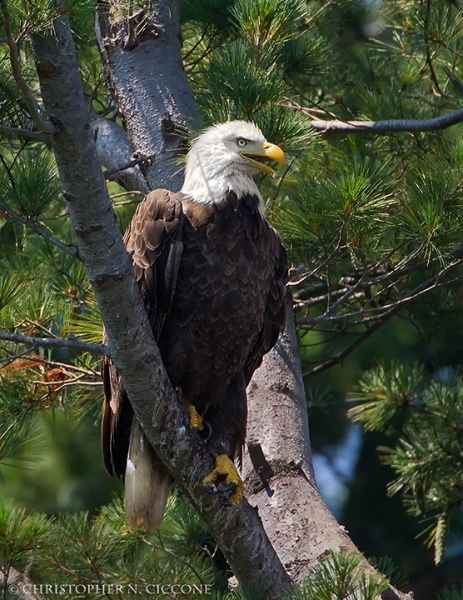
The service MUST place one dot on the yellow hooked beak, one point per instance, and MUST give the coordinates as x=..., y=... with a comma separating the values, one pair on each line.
x=260, y=158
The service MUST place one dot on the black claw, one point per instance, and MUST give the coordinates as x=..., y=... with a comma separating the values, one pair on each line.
x=220, y=493
x=228, y=488
x=219, y=490
x=224, y=501
x=205, y=432
x=206, y=436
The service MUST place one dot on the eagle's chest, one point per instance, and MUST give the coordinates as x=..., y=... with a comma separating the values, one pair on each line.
x=224, y=277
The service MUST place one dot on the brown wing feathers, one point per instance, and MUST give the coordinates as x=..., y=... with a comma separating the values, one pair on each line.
x=154, y=240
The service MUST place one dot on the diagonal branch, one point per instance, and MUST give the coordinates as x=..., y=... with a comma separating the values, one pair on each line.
x=40, y=229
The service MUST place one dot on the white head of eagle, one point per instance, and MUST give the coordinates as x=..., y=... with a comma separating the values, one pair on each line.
x=225, y=158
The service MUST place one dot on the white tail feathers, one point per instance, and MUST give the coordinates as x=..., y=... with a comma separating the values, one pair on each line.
x=147, y=483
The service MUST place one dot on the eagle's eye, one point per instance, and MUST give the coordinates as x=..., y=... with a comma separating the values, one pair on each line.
x=241, y=142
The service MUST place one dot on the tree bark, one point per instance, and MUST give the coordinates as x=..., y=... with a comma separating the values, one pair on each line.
x=165, y=422
x=277, y=469
x=143, y=65
x=115, y=152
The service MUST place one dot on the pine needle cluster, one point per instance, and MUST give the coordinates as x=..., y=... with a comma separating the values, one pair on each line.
x=422, y=414
x=102, y=551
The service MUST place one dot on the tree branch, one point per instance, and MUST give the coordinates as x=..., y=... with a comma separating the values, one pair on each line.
x=378, y=315
x=70, y=342
x=335, y=360
x=388, y=126
x=278, y=469
x=15, y=132
x=430, y=284
x=116, y=154
x=40, y=229
x=34, y=110
x=154, y=116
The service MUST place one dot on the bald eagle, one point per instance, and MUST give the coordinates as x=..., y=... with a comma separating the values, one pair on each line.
x=211, y=271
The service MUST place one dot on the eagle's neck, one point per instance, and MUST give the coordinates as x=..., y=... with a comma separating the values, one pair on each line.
x=212, y=184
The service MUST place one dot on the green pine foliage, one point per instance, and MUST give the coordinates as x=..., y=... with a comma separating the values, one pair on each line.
x=453, y=591
x=338, y=576
x=423, y=416
x=21, y=537
x=389, y=569
x=96, y=551
x=29, y=182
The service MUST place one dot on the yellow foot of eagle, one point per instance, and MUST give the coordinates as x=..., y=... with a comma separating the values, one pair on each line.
x=224, y=481
x=198, y=423
x=196, y=420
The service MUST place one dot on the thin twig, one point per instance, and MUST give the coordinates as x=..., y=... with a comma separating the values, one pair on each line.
x=15, y=132
x=133, y=163
x=174, y=555
x=69, y=342
x=308, y=22
x=334, y=360
x=377, y=311
x=38, y=228
x=38, y=358
x=12, y=357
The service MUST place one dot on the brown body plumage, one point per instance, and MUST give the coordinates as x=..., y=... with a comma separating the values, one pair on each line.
x=212, y=280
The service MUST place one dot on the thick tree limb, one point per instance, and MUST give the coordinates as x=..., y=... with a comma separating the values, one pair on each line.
x=165, y=422
x=278, y=470
x=143, y=65
x=71, y=343
x=115, y=153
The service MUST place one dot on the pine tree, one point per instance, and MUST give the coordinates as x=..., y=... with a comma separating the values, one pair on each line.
x=372, y=223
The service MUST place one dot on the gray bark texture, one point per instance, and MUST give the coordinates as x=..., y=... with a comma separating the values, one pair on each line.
x=115, y=152
x=278, y=466
x=143, y=65
x=277, y=469
x=165, y=422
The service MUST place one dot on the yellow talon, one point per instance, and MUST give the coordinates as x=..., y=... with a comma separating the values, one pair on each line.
x=196, y=420
x=231, y=491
